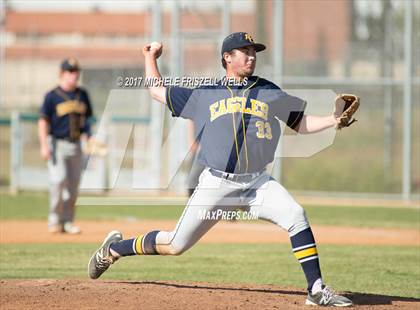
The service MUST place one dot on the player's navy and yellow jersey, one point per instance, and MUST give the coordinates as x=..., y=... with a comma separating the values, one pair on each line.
x=67, y=112
x=237, y=126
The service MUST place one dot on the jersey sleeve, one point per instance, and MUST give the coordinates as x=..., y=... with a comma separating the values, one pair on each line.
x=289, y=109
x=47, y=108
x=180, y=101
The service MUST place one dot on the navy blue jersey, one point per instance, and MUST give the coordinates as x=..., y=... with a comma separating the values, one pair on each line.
x=67, y=112
x=238, y=126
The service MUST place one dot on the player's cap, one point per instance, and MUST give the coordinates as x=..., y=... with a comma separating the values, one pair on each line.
x=70, y=64
x=238, y=40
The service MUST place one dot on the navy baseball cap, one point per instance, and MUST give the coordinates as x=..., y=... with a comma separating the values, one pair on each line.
x=238, y=40
x=70, y=64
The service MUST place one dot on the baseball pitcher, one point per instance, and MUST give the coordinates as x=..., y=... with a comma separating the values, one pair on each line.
x=239, y=130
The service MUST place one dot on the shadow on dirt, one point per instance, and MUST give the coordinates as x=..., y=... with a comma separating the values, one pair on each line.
x=374, y=299
x=357, y=298
x=217, y=288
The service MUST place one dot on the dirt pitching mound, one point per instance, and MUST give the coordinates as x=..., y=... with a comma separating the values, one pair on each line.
x=81, y=294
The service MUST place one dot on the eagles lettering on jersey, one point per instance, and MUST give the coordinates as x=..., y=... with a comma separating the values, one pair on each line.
x=70, y=106
x=238, y=104
x=238, y=127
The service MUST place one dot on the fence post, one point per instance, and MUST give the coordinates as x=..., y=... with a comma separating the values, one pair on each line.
x=406, y=173
x=15, y=151
x=278, y=76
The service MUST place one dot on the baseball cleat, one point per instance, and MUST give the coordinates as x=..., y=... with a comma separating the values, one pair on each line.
x=69, y=228
x=55, y=229
x=327, y=297
x=102, y=258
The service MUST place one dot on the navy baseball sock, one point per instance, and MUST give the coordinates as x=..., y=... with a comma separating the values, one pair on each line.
x=304, y=249
x=142, y=245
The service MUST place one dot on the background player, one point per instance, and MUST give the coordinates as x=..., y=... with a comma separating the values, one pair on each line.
x=63, y=122
x=239, y=131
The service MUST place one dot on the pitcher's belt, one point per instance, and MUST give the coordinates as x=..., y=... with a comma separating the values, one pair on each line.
x=68, y=139
x=244, y=177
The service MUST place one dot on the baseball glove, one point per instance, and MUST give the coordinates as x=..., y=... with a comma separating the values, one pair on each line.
x=345, y=107
x=95, y=148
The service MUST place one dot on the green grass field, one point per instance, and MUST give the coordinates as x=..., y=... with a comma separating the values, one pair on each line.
x=385, y=270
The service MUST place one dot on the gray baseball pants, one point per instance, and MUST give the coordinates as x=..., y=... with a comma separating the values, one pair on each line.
x=262, y=196
x=64, y=169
